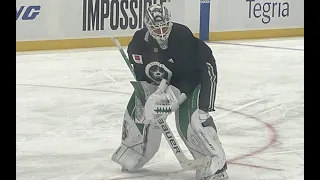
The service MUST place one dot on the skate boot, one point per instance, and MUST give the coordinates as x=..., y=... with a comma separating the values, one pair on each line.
x=219, y=175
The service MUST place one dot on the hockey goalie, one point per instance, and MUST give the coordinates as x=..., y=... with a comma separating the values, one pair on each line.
x=169, y=61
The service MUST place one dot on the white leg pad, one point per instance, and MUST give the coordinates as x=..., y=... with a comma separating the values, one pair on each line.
x=136, y=149
x=127, y=157
x=209, y=145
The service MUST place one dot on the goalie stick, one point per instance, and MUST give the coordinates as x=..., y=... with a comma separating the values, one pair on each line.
x=185, y=163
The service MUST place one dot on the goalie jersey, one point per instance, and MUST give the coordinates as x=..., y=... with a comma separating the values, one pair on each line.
x=186, y=63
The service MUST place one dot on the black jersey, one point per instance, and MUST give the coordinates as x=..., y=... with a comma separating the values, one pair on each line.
x=186, y=63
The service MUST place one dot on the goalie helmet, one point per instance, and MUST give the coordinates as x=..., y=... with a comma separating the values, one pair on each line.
x=158, y=22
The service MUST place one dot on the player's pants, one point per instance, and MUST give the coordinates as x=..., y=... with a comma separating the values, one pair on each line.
x=140, y=142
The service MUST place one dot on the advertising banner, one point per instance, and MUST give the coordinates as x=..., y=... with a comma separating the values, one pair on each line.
x=60, y=19
x=231, y=15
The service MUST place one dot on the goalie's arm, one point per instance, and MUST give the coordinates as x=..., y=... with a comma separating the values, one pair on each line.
x=135, y=51
x=208, y=78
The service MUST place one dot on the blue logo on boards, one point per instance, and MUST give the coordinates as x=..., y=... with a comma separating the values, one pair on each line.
x=27, y=12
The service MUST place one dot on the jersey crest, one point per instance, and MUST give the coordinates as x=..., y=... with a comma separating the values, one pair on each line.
x=157, y=71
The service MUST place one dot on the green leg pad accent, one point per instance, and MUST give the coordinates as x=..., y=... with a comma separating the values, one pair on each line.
x=186, y=109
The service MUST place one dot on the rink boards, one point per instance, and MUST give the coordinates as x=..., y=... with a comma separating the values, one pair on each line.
x=59, y=24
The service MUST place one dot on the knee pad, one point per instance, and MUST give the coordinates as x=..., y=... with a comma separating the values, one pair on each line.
x=137, y=148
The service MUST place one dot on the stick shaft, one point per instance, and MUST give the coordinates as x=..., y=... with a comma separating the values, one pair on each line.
x=124, y=56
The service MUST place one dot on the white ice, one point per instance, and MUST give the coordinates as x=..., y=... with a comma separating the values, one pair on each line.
x=70, y=106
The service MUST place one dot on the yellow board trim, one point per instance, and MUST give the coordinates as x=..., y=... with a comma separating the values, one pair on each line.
x=255, y=34
x=106, y=42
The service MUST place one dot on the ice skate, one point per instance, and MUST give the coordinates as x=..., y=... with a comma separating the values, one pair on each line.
x=219, y=175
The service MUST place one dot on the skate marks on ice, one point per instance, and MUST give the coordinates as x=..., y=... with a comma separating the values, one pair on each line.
x=270, y=140
x=161, y=169
x=69, y=118
x=260, y=164
x=279, y=121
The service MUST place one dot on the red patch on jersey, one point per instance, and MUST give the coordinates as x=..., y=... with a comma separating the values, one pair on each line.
x=137, y=58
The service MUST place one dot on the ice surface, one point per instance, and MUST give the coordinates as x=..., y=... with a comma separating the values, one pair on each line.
x=70, y=105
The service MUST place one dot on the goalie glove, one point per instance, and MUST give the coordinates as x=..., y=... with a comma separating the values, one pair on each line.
x=162, y=102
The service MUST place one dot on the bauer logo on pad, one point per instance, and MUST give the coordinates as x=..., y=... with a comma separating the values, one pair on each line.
x=137, y=58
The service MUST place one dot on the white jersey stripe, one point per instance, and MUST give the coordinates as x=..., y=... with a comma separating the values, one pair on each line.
x=212, y=85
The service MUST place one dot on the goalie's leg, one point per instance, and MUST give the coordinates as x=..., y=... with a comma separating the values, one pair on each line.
x=203, y=126
x=198, y=131
x=139, y=142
